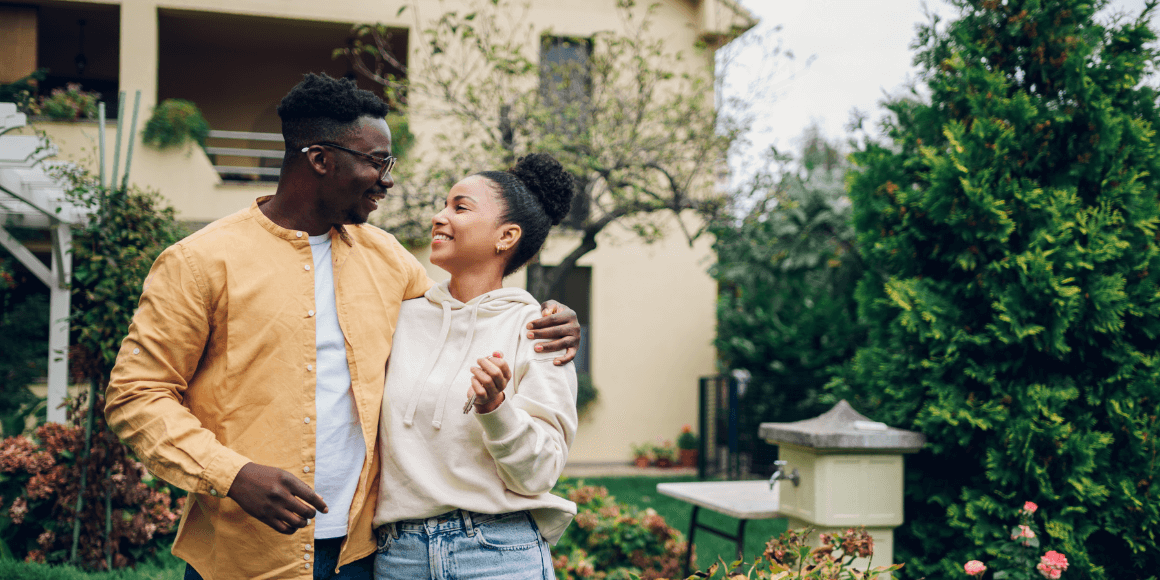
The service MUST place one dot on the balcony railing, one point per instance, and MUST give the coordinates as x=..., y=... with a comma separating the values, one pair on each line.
x=250, y=162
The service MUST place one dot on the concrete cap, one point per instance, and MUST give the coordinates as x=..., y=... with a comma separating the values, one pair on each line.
x=842, y=428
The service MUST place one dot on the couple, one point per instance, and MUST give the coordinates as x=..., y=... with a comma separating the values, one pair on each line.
x=255, y=373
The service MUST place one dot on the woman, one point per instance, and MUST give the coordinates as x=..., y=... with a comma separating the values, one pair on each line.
x=466, y=494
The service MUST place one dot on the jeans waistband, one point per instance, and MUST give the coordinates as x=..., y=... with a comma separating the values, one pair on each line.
x=446, y=522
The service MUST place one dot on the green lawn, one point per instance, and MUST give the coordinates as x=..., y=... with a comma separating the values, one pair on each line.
x=642, y=491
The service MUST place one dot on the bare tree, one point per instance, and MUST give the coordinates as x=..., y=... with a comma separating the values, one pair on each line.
x=635, y=123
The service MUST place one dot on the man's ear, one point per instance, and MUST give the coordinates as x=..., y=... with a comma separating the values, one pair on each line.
x=510, y=235
x=319, y=159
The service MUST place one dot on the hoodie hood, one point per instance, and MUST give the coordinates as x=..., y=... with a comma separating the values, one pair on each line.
x=486, y=305
x=494, y=301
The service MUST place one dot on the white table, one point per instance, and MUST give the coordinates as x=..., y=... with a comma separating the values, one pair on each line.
x=744, y=500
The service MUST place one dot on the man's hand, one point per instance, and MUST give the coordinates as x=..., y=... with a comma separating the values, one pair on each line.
x=559, y=324
x=275, y=497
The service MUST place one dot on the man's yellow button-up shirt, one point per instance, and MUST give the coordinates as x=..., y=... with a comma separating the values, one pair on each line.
x=218, y=370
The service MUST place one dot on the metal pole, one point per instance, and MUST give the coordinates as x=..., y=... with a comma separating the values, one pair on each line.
x=108, y=520
x=101, y=146
x=84, y=468
x=734, y=451
x=132, y=140
x=117, y=145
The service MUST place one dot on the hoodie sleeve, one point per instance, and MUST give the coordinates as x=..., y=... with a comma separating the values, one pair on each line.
x=530, y=433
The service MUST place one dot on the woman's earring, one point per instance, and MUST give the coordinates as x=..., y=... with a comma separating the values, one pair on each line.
x=498, y=249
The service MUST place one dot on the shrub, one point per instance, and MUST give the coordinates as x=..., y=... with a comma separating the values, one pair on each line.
x=788, y=557
x=611, y=540
x=1010, y=229
x=23, y=91
x=23, y=347
x=173, y=123
x=69, y=103
x=586, y=394
x=687, y=439
x=112, y=254
x=39, y=484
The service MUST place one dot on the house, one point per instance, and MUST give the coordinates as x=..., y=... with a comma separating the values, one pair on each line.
x=649, y=310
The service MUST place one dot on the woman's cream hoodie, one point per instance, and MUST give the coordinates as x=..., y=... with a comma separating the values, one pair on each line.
x=436, y=459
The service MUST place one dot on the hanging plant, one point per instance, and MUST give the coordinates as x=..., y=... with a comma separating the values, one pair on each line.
x=174, y=122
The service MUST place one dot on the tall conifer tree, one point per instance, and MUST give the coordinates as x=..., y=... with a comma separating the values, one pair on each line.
x=1010, y=232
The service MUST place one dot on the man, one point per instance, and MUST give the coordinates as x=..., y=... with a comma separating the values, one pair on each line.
x=253, y=372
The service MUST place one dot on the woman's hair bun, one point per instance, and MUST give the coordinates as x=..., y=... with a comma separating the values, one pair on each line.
x=548, y=182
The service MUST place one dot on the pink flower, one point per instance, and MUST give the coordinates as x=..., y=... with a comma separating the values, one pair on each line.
x=1023, y=532
x=1052, y=565
x=1029, y=507
x=974, y=568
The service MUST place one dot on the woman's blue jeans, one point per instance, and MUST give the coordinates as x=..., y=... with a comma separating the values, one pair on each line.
x=461, y=545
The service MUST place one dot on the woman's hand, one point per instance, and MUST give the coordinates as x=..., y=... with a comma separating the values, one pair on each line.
x=488, y=381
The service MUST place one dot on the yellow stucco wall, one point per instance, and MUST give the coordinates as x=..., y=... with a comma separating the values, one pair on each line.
x=652, y=305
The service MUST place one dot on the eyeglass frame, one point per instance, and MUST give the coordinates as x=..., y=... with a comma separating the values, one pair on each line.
x=386, y=164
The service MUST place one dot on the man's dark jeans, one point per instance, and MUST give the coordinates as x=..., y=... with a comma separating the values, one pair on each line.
x=325, y=557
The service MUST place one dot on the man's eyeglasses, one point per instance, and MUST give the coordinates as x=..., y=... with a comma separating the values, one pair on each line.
x=385, y=164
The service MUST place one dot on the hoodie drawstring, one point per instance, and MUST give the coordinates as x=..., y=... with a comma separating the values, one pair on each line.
x=409, y=419
x=437, y=422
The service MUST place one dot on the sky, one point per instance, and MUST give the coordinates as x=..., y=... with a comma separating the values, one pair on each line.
x=860, y=50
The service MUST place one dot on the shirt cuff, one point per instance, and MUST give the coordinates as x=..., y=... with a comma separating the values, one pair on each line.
x=217, y=477
x=500, y=423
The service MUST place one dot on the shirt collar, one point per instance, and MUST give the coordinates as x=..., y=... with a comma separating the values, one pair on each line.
x=288, y=234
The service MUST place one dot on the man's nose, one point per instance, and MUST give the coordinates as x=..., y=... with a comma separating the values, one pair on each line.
x=388, y=180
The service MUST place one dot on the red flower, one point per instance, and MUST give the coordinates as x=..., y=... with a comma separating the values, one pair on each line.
x=1029, y=507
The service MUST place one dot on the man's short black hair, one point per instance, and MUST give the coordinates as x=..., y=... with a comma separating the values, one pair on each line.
x=322, y=108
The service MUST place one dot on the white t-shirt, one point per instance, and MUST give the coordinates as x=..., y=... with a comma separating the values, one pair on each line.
x=339, y=449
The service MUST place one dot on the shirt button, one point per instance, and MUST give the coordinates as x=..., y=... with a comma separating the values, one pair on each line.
x=305, y=556
x=213, y=492
x=306, y=420
x=299, y=234
x=308, y=547
x=136, y=351
x=305, y=469
x=309, y=367
x=307, y=266
x=307, y=566
x=309, y=313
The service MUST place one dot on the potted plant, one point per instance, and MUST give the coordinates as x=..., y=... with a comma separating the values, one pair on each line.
x=174, y=122
x=687, y=446
x=642, y=454
x=664, y=454
x=69, y=104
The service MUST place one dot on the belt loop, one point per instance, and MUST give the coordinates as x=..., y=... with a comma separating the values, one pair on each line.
x=467, y=523
x=393, y=529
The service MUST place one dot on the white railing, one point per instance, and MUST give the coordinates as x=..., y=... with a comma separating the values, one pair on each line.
x=246, y=163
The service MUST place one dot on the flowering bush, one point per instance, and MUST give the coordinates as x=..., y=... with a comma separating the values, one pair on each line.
x=69, y=103
x=1016, y=559
x=39, y=480
x=789, y=557
x=611, y=540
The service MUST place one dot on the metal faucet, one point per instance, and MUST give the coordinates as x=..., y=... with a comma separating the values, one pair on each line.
x=794, y=476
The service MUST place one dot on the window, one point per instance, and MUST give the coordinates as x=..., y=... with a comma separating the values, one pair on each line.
x=564, y=74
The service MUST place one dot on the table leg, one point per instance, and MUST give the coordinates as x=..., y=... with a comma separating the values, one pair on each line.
x=741, y=540
x=689, y=545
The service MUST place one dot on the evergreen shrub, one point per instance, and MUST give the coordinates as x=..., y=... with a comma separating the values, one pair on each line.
x=1010, y=229
x=786, y=273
